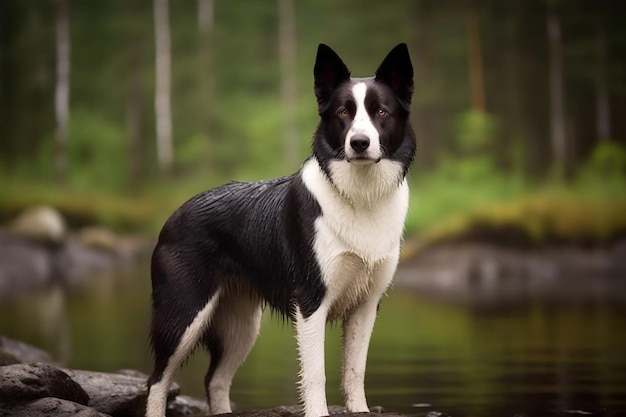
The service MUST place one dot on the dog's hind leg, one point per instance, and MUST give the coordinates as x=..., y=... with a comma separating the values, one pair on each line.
x=229, y=339
x=168, y=360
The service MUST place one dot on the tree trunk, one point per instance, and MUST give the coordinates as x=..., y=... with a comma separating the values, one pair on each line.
x=134, y=108
x=165, y=150
x=62, y=89
x=206, y=78
x=425, y=114
x=603, y=106
x=288, y=79
x=477, y=84
x=206, y=15
x=557, y=100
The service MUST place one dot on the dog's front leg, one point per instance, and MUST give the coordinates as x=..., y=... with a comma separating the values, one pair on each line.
x=310, y=332
x=357, y=329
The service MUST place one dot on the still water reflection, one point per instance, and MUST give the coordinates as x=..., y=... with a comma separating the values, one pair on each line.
x=534, y=356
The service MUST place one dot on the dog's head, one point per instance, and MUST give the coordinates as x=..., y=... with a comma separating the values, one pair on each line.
x=364, y=120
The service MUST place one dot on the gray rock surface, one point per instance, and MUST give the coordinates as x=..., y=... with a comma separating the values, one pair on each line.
x=485, y=275
x=24, y=266
x=116, y=393
x=183, y=405
x=296, y=411
x=51, y=407
x=21, y=352
x=40, y=389
x=24, y=382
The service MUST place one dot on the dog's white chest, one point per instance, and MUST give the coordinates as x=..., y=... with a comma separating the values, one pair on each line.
x=352, y=241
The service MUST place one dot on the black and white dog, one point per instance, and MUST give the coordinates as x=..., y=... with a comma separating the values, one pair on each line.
x=319, y=245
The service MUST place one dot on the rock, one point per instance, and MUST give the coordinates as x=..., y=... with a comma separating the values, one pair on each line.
x=98, y=237
x=183, y=405
x=51, y=407
x=41, y=224
x=296, y=411
x=24, y=382
x=126, y=247
x=75, y=262
x=7, y=359
x=116, y=393
x=484, y=275
x=22, y=352
x=24, y=266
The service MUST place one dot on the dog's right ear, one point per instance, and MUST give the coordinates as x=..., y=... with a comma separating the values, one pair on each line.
x=329, y=72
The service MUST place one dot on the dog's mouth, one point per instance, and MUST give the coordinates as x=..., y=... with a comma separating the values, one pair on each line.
x=363, y=160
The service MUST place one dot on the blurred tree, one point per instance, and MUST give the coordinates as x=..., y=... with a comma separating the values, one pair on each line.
x=134, y=96
x=557, y=93
x=62, y=90
x=206, y=78
x=287, y=35
x=476, y=79
x=206, y=15
x=162, y=101
x=603, y=105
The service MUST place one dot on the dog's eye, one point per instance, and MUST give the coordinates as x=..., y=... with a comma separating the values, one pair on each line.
x=381, y=113
x=343, y=114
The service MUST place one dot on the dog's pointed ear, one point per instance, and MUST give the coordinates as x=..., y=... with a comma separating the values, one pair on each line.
x=396, y=71
x=329, y=72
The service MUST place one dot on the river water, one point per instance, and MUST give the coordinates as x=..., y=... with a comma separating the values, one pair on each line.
x=532, y=356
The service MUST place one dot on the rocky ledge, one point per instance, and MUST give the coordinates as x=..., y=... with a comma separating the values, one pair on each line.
x=38, y=249
x=32, y=385
x=41, y=388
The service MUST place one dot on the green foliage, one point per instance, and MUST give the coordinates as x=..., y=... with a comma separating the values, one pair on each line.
x=607, y=164
x=475, y=131
x=97, y=152
x=438, y=197
x=192, y=152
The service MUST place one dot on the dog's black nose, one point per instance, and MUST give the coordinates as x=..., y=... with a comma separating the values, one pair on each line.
x=359, y=143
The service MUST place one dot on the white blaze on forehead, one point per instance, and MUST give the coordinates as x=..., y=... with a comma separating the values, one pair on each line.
x=362, y=123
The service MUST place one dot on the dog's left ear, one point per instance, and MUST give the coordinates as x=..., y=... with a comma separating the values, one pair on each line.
x=396, y=71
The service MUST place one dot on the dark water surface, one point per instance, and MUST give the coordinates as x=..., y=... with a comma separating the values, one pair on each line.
x=534, y=356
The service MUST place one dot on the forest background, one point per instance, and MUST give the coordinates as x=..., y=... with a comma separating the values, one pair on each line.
x=118, y=111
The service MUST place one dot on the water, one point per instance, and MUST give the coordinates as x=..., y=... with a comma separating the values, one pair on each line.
x=534, y=356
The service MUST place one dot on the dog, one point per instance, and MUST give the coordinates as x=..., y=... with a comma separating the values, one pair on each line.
x=320, y=245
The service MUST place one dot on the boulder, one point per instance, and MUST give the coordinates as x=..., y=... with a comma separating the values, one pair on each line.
x=24, y=266
x=183, y=405
x=21, y=352
x=24, y=382
x=41, y=224
x=52, y=407
x=118, y=394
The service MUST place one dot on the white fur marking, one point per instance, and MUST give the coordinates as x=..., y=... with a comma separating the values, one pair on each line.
x=238, y=320
x=310, y=334
x=357, y=330
x=157, y=399
x=362, y=125
x=370, y=228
